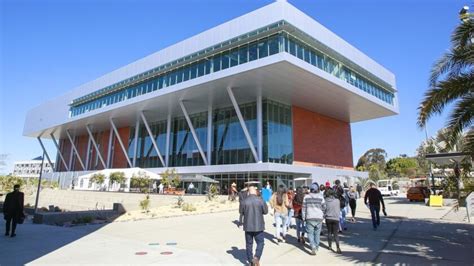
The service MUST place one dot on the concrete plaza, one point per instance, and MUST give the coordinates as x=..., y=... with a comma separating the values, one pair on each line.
x=412, y=234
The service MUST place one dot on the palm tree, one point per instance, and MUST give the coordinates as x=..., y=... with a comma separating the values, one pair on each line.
x=452, y=82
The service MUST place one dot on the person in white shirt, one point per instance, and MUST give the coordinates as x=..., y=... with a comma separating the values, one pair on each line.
x=160, y=188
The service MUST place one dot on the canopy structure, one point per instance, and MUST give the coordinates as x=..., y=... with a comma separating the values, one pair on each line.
x=198, y=179
x=448, y=158
x=129, y=173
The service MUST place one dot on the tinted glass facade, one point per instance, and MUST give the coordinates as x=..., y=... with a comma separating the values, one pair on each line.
x=277, y=133
x=232, y=56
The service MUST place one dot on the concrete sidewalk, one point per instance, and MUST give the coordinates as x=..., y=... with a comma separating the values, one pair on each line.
x=412, y=234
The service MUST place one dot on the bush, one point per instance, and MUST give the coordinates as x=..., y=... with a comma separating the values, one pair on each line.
x=98, y=179
x=188, y=207
x=117, y=177
x=145, y=204
x=83, y=220
x=212, y=193
x=180, y=201
x=141, y=181
x=7, y=182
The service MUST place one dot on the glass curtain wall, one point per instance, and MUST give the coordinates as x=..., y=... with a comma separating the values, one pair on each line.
x=230, y=146
x=277, y=133
x=184, y=151
x=147, y=157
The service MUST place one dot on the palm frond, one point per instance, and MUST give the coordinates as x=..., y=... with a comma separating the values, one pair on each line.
x=444, y=93
x=461, y=116
x=452, y=64
x=462, y=35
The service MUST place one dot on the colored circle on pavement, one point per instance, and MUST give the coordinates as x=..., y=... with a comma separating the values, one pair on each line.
x=166, y=253
x=141, y=253
x=171, y=243
x=154, y=244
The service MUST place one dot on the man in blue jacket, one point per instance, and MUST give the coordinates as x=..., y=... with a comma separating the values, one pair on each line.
x=251, y=211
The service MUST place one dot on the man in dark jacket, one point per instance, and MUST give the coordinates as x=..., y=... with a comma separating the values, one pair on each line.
x=251, y=211
x=375, y=198
x=13, y=209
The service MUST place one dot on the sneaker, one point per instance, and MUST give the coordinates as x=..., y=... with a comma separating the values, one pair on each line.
x=283, y=239
x=7, y=234
x=279, y=240
x=338, y=251
x=13, y=235
x=314, y=251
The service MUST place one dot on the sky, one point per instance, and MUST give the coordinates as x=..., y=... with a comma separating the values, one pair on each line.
x=48, y=47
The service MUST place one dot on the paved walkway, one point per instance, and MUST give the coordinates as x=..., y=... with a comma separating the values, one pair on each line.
x=412, y=233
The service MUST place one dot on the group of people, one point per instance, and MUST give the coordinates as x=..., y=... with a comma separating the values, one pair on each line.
x=311, y=207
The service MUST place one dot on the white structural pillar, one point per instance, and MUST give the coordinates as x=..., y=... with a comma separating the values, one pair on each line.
x=259, y=126
x=59, y=152
x=75, y=150
x=242, y=123
x=135, y=147
x=109, y=149
x=88, y=152
x=193, y=132
x=153, y=141
x=209, y=132
x=45, y=152
x=71, y=157
x=168, y=138
x=117, y=135
x=96, y=147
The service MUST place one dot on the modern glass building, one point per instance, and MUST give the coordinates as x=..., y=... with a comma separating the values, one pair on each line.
x=267, y=96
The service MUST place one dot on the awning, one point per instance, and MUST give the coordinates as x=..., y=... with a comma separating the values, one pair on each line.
x=447, y=158
x=198, y=178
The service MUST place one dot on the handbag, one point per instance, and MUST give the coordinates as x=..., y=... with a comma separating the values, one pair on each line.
x=22, y=218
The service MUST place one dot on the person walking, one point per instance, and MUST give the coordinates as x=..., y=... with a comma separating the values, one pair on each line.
x=279, y=202
x=252, y=211
x=342, y=197
x=313, y=215
x=359, y=190
x=160, y=187
x=375, y=198
x=13, y=210
x=297, y=206
x=352, y=195
x=332, y=213
x=291, y=211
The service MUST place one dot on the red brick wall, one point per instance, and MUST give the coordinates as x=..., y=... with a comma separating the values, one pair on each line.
x=104, y=147
x=320, y=139
x=81, y=146
x=119, y=159
x=65, y=148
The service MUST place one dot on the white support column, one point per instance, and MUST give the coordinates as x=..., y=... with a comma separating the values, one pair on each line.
x=109, y=149
x=153, y=141
x=45, y=152
x=242, y=123
x=71, y=157
x=75, y=150
x=59, y=153
x=209, y=132
x=135, y=147
x=193, y=132
x=259, y=126
x=88, y=152
x=91, y=137
x=120, y=142
x=168, y=138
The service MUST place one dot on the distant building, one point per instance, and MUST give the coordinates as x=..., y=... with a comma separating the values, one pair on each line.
x=31, y=168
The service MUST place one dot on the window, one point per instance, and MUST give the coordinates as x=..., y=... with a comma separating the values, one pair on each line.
x=263, y=48
x=243, y=54
x=253, y=52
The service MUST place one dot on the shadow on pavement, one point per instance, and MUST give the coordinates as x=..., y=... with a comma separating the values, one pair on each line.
x=238, y=254
x=37, y=240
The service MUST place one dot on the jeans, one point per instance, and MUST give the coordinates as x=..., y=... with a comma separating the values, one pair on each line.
x=280, y=221
x=313, y=228
x=300, y=228
x=342, y=219
x=291, y=213
x=249, y=237
x=375, y=213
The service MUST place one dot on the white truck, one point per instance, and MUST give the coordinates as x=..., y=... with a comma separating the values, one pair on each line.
x=386, y=188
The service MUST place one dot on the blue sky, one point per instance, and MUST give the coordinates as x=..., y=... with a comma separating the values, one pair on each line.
x=49, y=47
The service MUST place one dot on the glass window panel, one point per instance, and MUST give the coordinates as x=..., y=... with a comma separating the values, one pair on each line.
x=253, y=51
x=262, y=48
x=273, y=45
x=225, y=60
x=216, y=63
x=243, y=54
x=200, y=68
x=292, y=47
x=234, y=57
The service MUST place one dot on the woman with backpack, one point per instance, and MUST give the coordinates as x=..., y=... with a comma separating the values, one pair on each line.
x=297, y=205
x=331, y=214
x=279, y=202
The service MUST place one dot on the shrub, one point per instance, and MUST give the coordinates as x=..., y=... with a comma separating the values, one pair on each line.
x=117, y=177
x=141, y=181
x=212, y=193
x=145, y=204
x=170, y=178
x=180, y=201
x=7, y=182
x=188, y=207
x=98, y=179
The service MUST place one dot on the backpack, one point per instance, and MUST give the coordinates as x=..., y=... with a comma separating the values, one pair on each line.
x=340, y=197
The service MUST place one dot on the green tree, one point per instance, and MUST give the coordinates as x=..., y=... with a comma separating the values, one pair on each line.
x=426, y=147
x=402, y=167
x=170, y=177
x=98, y=179
x=117, y=177
x=141, y=181
x=8, y=181
x=372, y=157
x=452, y=82
x=375, y=174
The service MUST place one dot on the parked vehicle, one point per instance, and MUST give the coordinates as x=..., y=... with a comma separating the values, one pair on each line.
x=386, y=188
x=418, y=193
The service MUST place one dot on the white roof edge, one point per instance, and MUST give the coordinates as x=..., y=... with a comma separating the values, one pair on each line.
x=266, y=15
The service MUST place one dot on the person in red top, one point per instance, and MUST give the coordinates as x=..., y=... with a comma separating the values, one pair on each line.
x=297, y=205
